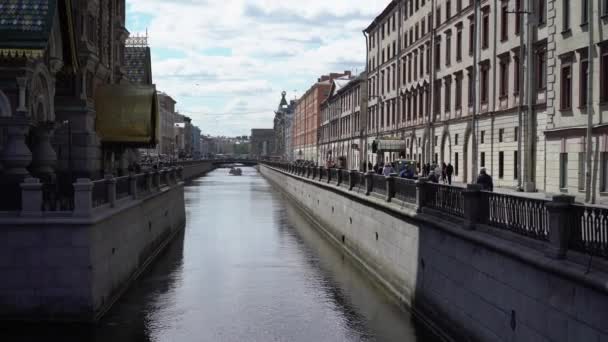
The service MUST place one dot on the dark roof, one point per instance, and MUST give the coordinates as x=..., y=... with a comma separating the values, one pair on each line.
x=26, y=24
x=382, y=16
x=138, y=64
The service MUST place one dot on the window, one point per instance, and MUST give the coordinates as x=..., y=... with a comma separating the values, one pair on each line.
x=471, y=37
x=456, y=162
x=422, y=62
x=388, y=80
x=604, y=7
x=394, y=48
x=501, y=165
x=459, y=44
x=92, y=29
x=394, y=77
x=448, y=95
x=501, y=135
x=456, y=140
x=438, y=54
x=584, y=12
x=516, y=76
x=584, y=74
x=438, y=17
x=516, y=134
x=458, y=95
x=394, y=20
x=563, y=170
x=415, y=67
x=604, y=74
x=448, y=10
x=518, y=16
x=485, y=81
x=504, y=23
x=581, y=170
x=388, y=52
x=485, y=43
x=541, y=71
x=416, y=31
x=409, y=68
x=448, y=48
x=604, y=172
x=482, y=137
x=515, y=165
x=471, y=87
x=565, y=15
x=422, y=27
x=541, y=10
x=504, y=77
x=436, y=139
x=482, y=159
x=566, y=90
x=437, y=97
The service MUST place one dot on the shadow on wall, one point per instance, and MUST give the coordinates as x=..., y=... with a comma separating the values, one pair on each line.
x=127, y=320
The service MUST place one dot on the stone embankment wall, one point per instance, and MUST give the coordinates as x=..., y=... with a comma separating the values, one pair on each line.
x=480, y=285
x=73, y=265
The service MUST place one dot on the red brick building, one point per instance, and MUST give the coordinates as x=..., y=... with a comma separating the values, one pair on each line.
x=307, y=118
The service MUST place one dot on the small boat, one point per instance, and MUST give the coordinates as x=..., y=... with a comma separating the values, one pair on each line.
x=235, y=171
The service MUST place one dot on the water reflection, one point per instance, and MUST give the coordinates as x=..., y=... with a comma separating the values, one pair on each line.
x=249, y=267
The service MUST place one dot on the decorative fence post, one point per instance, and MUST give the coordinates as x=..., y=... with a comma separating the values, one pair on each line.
x=156, y=176
x=148, y=176
x=133, y=184
x=321, y=169
x=351, y=179
x=314, y=172
x=308, y=171
x=369, y=183
x=31, y=197
x=560, y=225
x=83, y=197
x=328, y=175
x=420, y=194
x=390, y=186
x=180, y=173
x=111, y=189
x=474, y=210
x=339, y=177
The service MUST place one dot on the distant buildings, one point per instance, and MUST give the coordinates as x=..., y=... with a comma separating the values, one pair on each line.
x=307, y=118
x=283, y=128
x=262, y=142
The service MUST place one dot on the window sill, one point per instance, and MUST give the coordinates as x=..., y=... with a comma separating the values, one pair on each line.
x=584, y=24
x=604, y=16
x=565, y=109
x=563, y=190
x=566, y=32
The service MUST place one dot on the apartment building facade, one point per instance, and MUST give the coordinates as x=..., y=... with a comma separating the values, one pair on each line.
x=437, y=84
x=341, y=123
x=306, y=121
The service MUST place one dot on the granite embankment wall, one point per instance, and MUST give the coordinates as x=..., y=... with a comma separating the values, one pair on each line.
x=73, y=265
x=479, y=285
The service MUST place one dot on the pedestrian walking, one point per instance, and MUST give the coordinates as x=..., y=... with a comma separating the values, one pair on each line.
x=449, y=170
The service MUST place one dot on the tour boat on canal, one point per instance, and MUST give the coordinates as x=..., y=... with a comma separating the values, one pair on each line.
x=235, y=171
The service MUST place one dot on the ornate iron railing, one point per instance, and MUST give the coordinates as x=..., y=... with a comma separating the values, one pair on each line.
x=379, y=184
x=122, y=187
x=522, y=215
x=345, y=178
x=405, y=190
x=334, y=175
x=100, y=193
x=445, y=198
x=590, y=230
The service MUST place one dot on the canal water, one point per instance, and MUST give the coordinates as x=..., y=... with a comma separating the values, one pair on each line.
x=248, y=267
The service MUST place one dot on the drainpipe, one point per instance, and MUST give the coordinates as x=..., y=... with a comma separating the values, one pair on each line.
x=520, y=107
x=476, y=91
x=364, y=133
x=589, y=197
x=429, y=102
x=530, y=130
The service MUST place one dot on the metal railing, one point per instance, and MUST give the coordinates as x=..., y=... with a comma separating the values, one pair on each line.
x=123, y=187
x=334, y=175
x=141, y=183
x=379, y=184
x=579, y=227
x=590, y=230
x=524, y=216
x=100, y=193
x=405, y=190
x=344, y=178
x=445, y=198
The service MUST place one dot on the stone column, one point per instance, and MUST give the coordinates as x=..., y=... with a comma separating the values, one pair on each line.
x=31, y=197
x=16, y=156
x=560, y=225
x=111, y=189
x=44, y=158
x=474, y=211
x=369, y=183
x=83, y=197
x=390, y=187
x=420, y=193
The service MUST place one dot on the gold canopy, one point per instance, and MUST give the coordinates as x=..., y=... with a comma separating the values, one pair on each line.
x=127, y=114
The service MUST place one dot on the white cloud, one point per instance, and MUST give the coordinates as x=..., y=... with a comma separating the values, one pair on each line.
x=232, y=58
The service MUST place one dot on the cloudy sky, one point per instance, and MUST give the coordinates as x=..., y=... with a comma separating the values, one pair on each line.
x=227, y=61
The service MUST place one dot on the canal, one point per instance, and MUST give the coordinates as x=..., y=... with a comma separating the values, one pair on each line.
x=248, y=267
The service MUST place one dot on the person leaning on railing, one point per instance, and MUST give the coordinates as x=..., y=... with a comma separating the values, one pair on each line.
x=485, y=180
